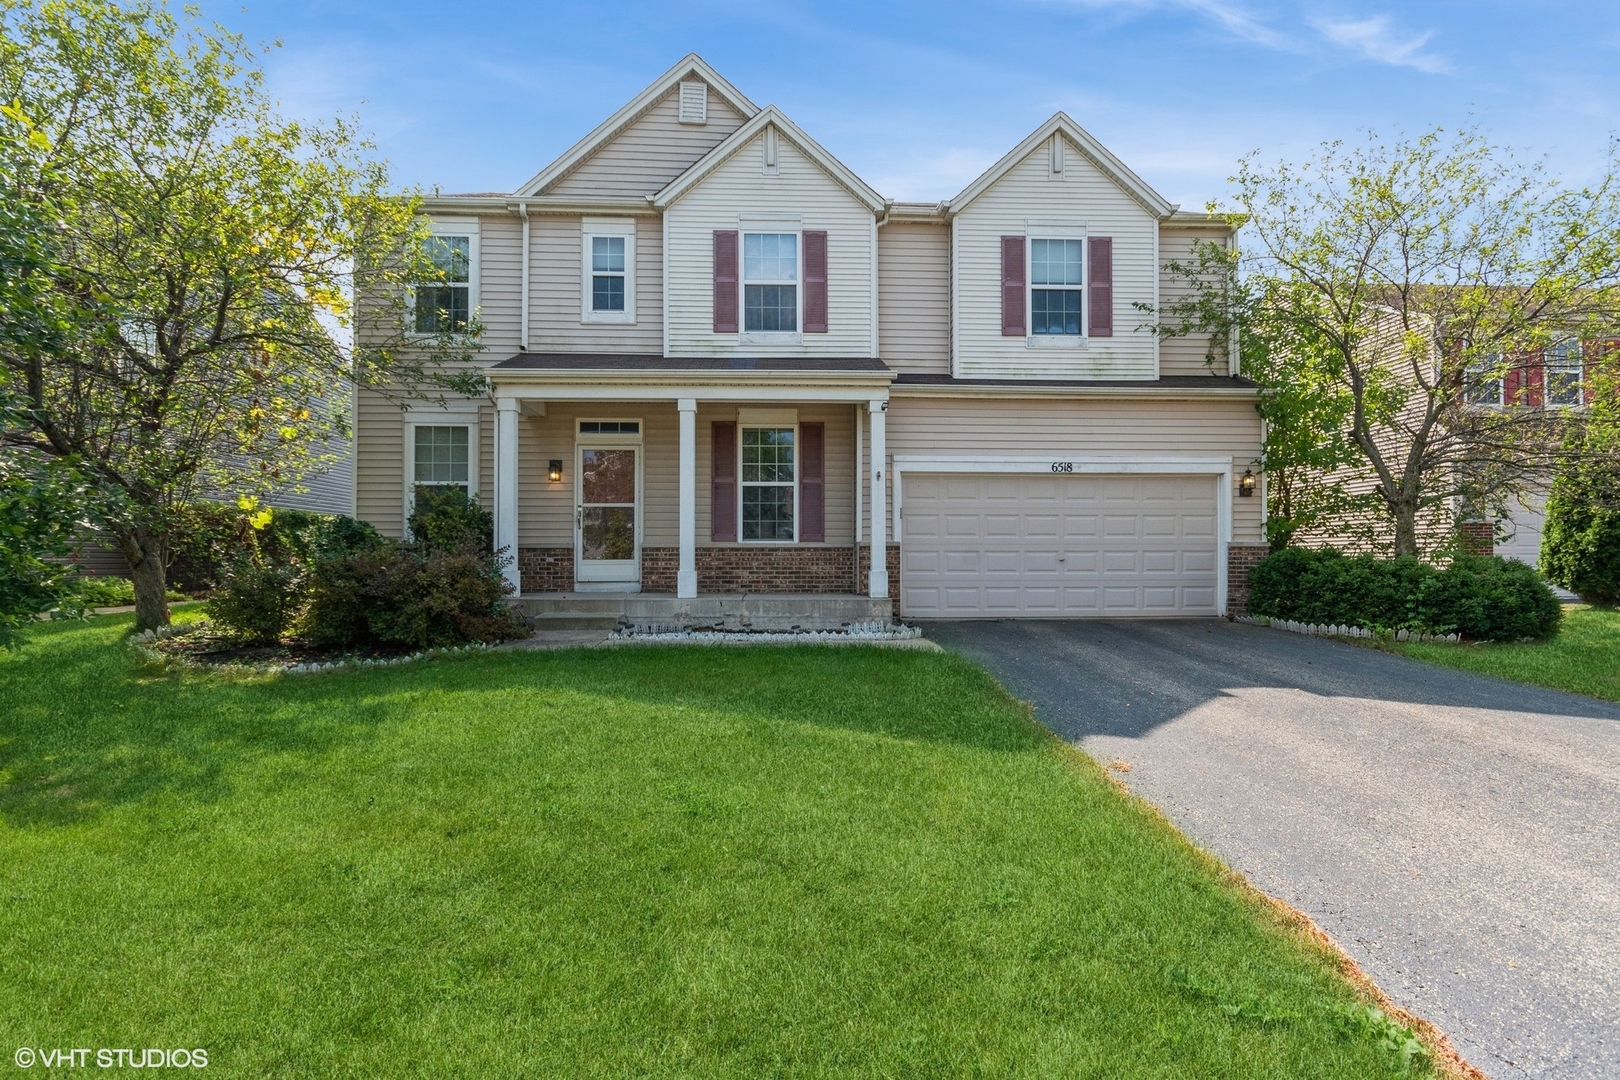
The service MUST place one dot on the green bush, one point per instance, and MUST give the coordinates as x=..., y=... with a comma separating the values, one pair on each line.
x=1486, y=599
x=258, y=601
x=1580, y=541
x=207, y=539
x=448, y=519
x=407, y=594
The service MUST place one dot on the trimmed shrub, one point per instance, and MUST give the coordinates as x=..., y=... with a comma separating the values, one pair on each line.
x=448, y=519
x=408, y=594
x=258, y=601
x=1580, y=541
x=207, y=539
x=1483, y=598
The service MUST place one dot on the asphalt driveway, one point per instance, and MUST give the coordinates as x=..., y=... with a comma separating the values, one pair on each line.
x=1459, y=835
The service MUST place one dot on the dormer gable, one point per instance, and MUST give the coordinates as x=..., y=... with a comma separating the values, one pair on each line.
x=657, y=135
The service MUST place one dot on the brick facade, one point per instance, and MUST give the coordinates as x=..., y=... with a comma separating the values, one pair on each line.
x=1478, y=537
x=1240, y=559
x=800, y=569
x=549, y=569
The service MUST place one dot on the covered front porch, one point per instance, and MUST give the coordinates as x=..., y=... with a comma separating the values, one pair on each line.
x=693, y=492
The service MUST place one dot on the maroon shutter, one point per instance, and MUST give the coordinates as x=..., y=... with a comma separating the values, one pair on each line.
x=725, y=281
x=1012, y=286
x=1535, y=381
x=1512, y=380
x=723, y=482
x=1100, y=272
x=812, y=483
x=815, y=281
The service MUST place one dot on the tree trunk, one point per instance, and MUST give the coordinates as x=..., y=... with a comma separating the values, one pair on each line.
x=1406, y=538
x=146, y=553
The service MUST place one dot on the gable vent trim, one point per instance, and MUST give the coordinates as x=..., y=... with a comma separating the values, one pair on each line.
x=694, y=102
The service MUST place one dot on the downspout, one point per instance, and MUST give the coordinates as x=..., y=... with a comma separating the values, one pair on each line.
x=523, y=304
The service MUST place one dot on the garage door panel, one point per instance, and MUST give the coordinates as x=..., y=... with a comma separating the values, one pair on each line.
x=1004, y=545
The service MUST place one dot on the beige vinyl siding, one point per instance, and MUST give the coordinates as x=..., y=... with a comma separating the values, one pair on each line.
x=1184, y=355
x=1058, y=428
x=738, y=189
x=914, y=297
x=379, y=439
x=500, y=284
x=651, y=151
x=546, y=510
x=556, y=281
x=1026, y=193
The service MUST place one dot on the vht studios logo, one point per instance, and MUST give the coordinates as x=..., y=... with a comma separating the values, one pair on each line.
x=84, y=1057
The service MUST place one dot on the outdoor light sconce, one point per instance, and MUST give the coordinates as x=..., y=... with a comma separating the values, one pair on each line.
x=1246, y=483
x=554, y=473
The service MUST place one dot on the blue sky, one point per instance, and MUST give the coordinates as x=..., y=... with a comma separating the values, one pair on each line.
x=920, y=97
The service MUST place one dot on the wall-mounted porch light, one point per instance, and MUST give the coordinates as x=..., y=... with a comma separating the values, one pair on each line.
x=1246, y=483
x=554, y=471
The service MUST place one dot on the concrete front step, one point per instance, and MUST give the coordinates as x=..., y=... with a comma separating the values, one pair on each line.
x=720, y=611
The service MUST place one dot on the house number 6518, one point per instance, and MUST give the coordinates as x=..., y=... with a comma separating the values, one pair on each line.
x=1063, y=466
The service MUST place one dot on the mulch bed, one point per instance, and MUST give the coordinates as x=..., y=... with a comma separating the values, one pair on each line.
x=214, y=648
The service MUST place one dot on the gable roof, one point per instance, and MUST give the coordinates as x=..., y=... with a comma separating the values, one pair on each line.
x=691, y=64
x=770, y=116
x=1098, y=154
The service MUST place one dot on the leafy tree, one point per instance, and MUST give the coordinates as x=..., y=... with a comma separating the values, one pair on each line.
x=1580, y=541
x=209, y=247
x=1385, y=286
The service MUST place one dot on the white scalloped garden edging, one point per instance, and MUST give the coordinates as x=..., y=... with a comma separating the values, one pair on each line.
x=854, y=633
x=147, y=638
x=1340, y=630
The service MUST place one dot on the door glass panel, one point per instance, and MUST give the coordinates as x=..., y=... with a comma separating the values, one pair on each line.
x=608, y=533
x=607, y=476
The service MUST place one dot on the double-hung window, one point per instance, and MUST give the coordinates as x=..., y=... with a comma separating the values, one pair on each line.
x=439, y=460
x=608, y=284
x=1055, y=286
x=1564, y=373
x=769, y=491
x=443, y=302
x=1482, y=380
x=770, y=283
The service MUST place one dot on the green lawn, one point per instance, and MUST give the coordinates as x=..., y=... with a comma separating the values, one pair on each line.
x=1584, y=657
x=673, y=862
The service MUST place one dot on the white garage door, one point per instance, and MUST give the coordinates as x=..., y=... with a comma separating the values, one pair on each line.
x=990, y=545
x=1522, y=530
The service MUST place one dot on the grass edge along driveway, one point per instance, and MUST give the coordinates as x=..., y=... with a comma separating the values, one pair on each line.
x=694, y=862
x=1584, y=657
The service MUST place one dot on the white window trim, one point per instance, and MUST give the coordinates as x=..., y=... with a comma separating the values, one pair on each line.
x=589, y=230
x=449, y=417
x=450, y=226
x=769, y=424
x=1491, y=360
x=1579, y=371
x=1053, y=230
x=770, y=337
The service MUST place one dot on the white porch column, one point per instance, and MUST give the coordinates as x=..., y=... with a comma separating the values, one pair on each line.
x=878, y=577
x=506, y=486
x=686, y=576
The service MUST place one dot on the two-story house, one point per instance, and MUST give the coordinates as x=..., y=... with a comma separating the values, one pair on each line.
x=721, y=363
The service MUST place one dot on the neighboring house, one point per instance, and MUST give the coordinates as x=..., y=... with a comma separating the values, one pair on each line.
x=719, y=362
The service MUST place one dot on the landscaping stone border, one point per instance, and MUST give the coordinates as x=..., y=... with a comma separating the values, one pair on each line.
x=1328, y=630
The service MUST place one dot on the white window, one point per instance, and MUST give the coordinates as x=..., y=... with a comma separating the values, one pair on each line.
x=1482, y=381
x=1055, y=286
x=771, y=283
x=446, y=300
x=770, y=495
x=1564, y=373
x=608, y=280
x=440, y=461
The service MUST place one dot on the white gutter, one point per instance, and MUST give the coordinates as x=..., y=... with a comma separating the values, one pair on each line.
x=523, y=305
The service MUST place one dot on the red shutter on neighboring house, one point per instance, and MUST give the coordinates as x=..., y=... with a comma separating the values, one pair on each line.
x=1512, y=385
x=1535, y=381
x=723, y=481
x=812, y=483
x=815, y=281
x=1012, y=286
x=725, y=281
x=1100, y=273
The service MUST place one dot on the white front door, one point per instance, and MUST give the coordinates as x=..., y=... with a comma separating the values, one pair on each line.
x=607, y=517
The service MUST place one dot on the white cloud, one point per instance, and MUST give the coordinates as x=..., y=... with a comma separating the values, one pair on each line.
x=1377, y=39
